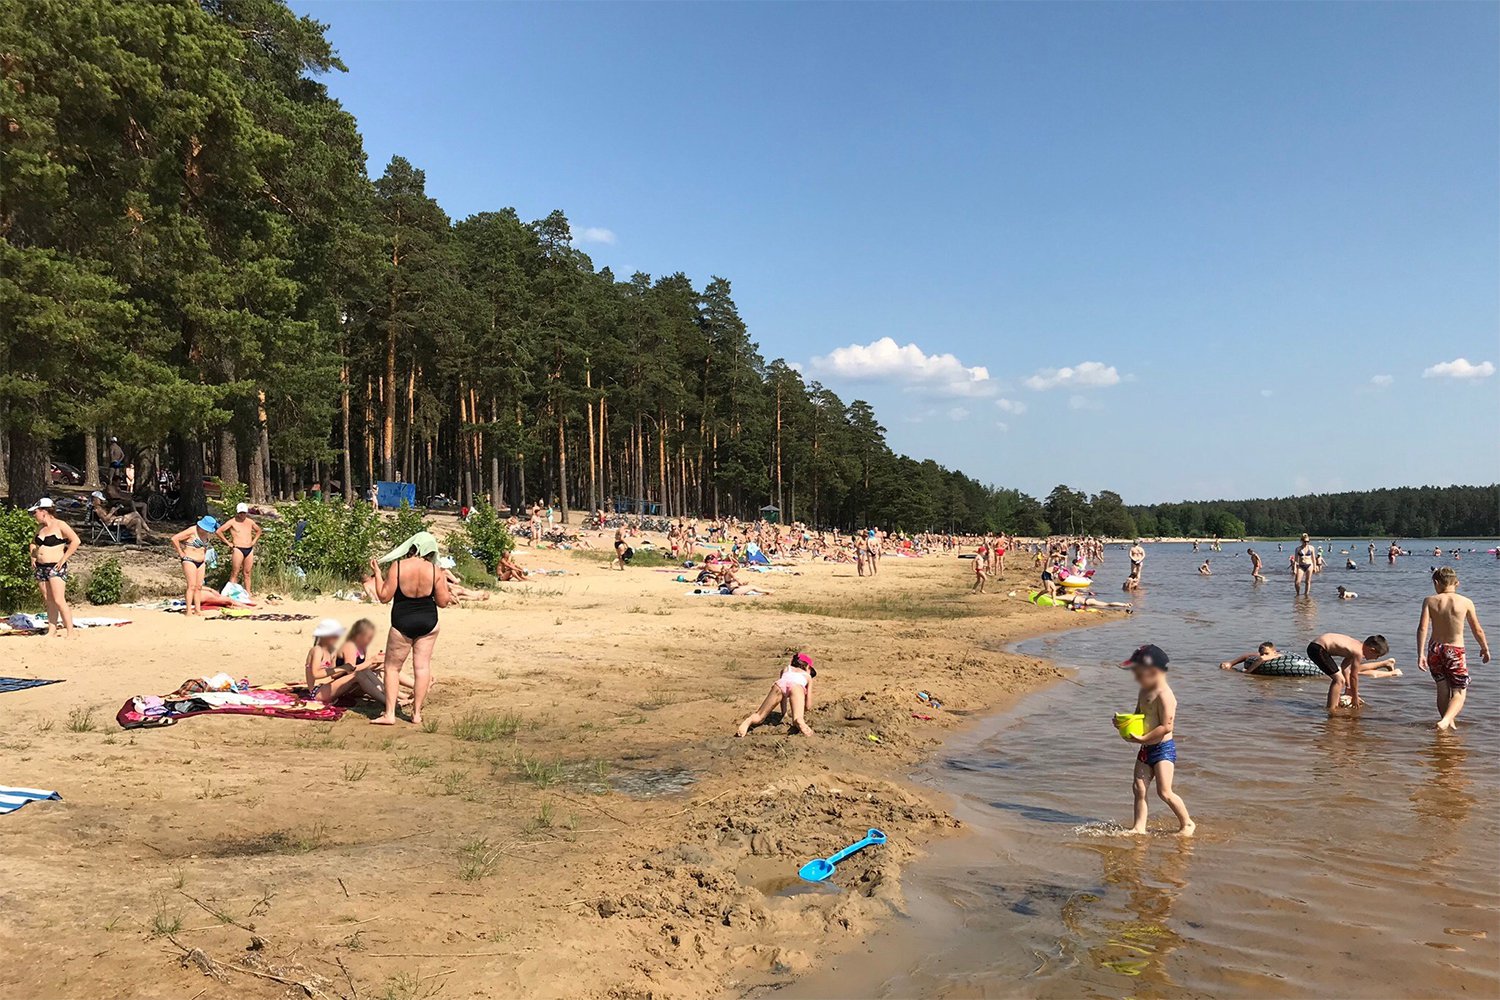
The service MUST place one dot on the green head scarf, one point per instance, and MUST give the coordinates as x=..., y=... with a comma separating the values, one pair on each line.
x=422, y=541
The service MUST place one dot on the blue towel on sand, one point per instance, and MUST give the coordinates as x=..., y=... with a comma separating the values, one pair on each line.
x=12, y=799
x=22, y=683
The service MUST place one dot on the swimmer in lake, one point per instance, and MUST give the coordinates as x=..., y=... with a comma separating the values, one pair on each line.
x=1345, y=594
x=1267, y=651
x=1204, y=570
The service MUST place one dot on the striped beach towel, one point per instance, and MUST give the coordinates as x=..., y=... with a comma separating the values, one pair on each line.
x=12, y=799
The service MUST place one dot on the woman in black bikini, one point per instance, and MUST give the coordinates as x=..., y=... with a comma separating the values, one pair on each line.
x=51, y=548
x=415, y=588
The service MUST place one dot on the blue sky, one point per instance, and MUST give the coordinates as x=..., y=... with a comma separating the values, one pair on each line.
x=1177, y=251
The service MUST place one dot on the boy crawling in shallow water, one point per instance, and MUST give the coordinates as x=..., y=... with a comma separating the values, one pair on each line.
x=1157, y=759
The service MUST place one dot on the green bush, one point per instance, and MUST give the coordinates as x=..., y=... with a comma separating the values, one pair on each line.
x=337, y=539
x=230, y=497
x=486, y=535
x=106, y=583
x=406, y=523
x=17, y=588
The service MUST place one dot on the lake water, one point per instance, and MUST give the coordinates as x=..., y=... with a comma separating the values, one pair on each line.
x=1346, y=857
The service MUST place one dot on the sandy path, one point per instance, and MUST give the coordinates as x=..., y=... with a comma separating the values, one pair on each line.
x=612, y=840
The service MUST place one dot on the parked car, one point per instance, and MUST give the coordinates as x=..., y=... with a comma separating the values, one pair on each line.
x=64, y=474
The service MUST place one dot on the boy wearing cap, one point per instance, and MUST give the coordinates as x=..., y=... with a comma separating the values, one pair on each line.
x=1158, y=755
x=240, y=533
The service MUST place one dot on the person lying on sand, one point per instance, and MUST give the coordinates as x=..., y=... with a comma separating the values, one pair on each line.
x=792, y=691
x=730, y=584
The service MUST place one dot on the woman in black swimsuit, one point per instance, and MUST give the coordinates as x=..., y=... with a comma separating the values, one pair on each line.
x=51, y=548
x=415, y=588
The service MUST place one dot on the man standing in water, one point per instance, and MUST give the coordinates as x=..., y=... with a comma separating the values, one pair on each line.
x=1255, y=576
x=1304, y=558
x=1137, y=558
x=1440, y=643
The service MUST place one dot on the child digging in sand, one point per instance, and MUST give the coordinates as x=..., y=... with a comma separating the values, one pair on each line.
x=1158, y=755
x=1440, y=643
x=792, y=691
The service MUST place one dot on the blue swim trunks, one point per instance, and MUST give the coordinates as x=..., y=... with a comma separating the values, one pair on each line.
x=1158, y=752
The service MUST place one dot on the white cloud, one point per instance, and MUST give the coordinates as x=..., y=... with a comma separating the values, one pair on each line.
x=1267, y=393
x=1076, y=402
x=1382, y=381
x=958, y=413
x=1011, y=406
x=1088, y=375
x=1460, y=368
x=1002, y=426
x=596, y=234
x=886, y=361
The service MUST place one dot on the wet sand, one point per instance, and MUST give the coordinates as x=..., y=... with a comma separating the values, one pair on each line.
x=609, y=837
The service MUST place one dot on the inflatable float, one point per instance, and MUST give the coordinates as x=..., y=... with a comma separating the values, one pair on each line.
x=1288, y=665
x=1076, y=582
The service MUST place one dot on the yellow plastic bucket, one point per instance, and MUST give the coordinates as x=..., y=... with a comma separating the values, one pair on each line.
x=1130, y=724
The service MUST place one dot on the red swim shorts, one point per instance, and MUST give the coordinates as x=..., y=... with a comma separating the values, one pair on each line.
x=1446, y=662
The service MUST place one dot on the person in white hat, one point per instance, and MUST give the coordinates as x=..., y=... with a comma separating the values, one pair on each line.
x=121, y=519
x=325, y=681
x=51, y=548
x=240, y=533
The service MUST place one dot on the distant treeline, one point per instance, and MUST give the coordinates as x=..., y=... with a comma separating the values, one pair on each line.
x=1404, y=512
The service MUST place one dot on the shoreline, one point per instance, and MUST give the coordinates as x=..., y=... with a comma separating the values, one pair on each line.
x=671, y=847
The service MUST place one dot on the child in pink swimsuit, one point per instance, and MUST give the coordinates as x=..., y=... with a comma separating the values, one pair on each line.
x=792, y=691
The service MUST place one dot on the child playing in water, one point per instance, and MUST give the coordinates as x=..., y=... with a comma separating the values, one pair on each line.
x=1158, y=755
x=1325, y=647
x=792, y=691
x=1440, y=643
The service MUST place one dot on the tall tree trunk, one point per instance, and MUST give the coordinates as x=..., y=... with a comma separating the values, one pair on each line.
x=562, y=465
x=259, y=480
x=348, y=460
x=190, y=457
x=369, y=431
x=588, y=383
x=229, y=457
x=521, y=500
x=27, y=467
x=496, y=494
x=661, y=459
x=778, y=445
x=91, y=458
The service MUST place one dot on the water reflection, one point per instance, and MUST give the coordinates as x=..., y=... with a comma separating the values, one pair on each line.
x=1444, y=799
x=1129, y=932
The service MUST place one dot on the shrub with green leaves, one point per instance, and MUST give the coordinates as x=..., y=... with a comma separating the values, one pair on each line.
x=230, y=497
x=16, y=585
x=106, y=583
x=406, y=523
x=486, y=535
x=337, y=539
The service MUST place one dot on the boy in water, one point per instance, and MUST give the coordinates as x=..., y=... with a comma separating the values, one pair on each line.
x=1325, y=647
x=1440, y=643
x=1158, y=755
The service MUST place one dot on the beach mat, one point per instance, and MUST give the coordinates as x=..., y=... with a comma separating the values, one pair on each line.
x=8, y=684
x=12, y=799
x=250, y=615
x=148, y=712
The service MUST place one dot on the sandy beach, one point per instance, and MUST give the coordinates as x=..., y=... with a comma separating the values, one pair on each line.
x=581, y=821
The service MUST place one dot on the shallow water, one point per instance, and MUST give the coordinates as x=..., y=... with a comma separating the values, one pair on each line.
x=1334, y=857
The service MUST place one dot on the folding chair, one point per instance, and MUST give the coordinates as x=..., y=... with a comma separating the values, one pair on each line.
x=98, y=529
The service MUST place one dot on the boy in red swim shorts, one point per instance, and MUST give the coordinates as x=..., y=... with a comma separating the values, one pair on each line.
x=1440, y=643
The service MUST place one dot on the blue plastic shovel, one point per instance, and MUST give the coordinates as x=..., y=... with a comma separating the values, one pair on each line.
x=818, y=869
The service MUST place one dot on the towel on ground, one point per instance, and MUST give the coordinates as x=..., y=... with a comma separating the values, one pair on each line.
x=193, y=698
x=12, y=799
x=8, y=684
